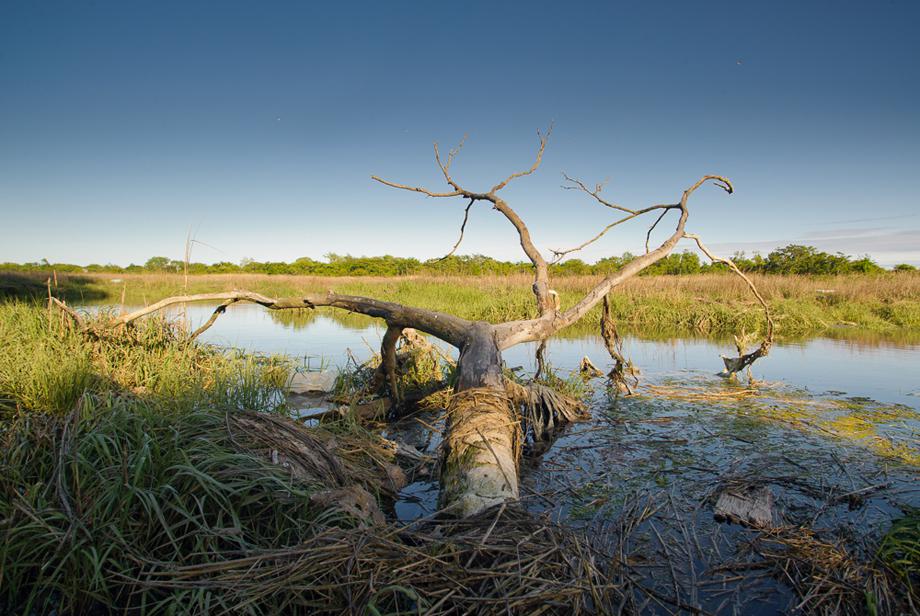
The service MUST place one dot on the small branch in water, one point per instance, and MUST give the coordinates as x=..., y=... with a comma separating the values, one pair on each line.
x=217, y=312
x=737, y=364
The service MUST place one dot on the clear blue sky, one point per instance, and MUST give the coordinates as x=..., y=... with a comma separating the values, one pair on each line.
x=258, y=125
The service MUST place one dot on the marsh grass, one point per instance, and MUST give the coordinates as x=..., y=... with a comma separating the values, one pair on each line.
x=49, y=365
x=142, y=450
x=900, y=548
x=705, y=303
x=152, y=474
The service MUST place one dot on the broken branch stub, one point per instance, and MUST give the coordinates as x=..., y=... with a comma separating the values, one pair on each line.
x=622, y=368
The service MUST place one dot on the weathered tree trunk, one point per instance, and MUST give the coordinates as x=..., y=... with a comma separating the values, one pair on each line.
x=482, y=442
x=483, y=437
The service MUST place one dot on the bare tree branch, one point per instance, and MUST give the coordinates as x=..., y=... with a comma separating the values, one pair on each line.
x=577, y=184
x=559, y=254
x=545, y=302
x=466, y=216
x=734, y=268
x=418, y=189
x=543, y=139
x=447, y=327
x=648, y=236
x=222, y=308
x=445, y=168
x=516, y=332
x=73, y=314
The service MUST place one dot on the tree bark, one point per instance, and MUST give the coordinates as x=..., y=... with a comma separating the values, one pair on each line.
x=482, y=443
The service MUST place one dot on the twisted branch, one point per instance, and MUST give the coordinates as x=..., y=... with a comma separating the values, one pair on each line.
x=736, y=364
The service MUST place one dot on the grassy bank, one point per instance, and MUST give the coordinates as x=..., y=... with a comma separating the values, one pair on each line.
x=711, y=303
x=143, y=472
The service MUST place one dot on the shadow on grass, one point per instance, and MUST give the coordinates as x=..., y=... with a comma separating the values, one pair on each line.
x=34, y=286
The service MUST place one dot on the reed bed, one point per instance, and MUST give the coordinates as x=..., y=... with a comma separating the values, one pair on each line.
x=706, y=303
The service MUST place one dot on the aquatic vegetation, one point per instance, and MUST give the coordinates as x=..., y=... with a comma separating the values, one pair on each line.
x=900, y=548
x=888, y=430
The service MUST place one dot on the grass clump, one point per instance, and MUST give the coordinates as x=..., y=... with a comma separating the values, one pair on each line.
x=900, y=548
x=127, y=454
x=49, y=365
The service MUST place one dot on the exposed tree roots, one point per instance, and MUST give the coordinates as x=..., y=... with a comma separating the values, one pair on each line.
x=543, y=410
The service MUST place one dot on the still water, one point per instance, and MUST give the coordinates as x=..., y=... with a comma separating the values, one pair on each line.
x=886, y=371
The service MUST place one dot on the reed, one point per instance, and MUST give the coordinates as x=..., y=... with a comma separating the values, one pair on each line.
x=705, y=303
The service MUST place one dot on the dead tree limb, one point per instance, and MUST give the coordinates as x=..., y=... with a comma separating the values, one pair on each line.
x=466, y=217
x=482, y=441
x=388, y=362
x=744, y=360
x=70, y=312
x=541, y=290
x=512, y=333
x=221, y=308
x=621, y=367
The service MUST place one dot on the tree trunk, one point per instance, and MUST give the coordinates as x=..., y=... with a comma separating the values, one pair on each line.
x=482, y=441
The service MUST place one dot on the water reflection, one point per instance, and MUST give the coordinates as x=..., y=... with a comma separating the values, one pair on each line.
x=856, y=366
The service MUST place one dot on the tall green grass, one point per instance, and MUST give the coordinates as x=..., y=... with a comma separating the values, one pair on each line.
x=708, y=303
x=48, y=365
x=131, y=454
x=122, y=487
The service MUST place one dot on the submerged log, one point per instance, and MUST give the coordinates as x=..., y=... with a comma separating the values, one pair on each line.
x=749, y=507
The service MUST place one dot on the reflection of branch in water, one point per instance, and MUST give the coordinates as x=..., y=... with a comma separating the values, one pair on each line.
x=302, y=319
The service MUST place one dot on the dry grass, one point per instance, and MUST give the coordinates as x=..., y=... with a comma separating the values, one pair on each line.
x=705, y=303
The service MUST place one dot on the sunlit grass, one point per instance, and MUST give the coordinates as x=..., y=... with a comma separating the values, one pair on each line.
x=703, y=303
x=48, y=365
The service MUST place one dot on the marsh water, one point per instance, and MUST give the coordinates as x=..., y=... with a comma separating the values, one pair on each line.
x=832, y=430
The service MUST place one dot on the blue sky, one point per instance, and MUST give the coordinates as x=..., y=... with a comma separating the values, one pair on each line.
x=123, y=125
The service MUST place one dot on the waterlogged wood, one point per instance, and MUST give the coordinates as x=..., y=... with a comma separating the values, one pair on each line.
x=749, y=507
x=482, y=442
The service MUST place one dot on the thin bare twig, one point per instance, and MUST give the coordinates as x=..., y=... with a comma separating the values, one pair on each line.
x=466, y=217
x=648, y=236
x=543, y=139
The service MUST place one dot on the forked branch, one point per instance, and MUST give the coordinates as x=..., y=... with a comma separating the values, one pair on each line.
x=536, y=164
x=544, y=298
x=516, y=332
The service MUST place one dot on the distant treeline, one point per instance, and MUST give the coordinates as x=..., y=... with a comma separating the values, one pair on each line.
x=792, y=259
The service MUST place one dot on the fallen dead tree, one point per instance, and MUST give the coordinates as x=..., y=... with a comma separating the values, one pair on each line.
x=484, y=433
